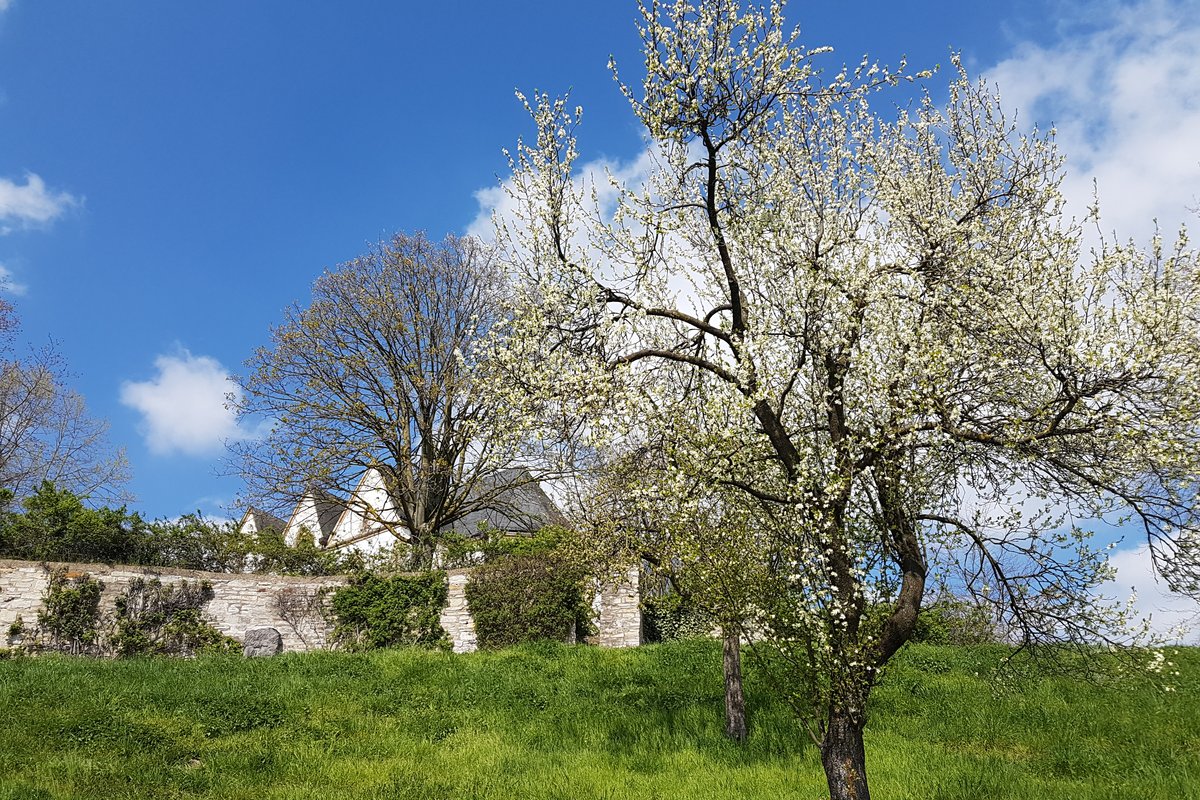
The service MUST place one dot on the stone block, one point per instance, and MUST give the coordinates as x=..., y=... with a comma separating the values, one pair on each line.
x=262, y=642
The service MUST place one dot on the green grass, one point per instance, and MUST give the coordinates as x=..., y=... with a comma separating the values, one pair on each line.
x=554, y=721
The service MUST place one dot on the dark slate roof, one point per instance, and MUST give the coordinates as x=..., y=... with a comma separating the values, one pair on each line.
x=329, y=509
x=264, y=521
x=521, y=508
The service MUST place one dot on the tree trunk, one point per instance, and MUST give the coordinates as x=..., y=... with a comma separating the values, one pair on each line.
x=844, y=759
x=420, y=553
x=735, y=699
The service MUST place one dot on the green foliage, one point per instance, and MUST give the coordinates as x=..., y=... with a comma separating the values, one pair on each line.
x=374, y=611
x=526, y=597
x=669, y=617
x=468, y=551
x=547, y=540
x=69, y=620
x=957, y=622
x=270, y=553
x=194, y=542
x=153, y=619
x=57, y=526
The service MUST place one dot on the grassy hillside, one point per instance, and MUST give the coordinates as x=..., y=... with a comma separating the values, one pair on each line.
x=566, y=722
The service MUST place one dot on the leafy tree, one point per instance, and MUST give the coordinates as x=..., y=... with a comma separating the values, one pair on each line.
x=195, y=542
x=707, y=547
x=47, y=434
x=378, y=375
x=878, y=337
x=56, y=526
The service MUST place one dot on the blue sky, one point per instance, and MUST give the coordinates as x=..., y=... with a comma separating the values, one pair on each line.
x=172, y=175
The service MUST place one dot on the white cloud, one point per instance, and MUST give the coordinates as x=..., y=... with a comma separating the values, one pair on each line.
x=184, y=407
x=1124, y=95
x=30, y=204
x=7, y=284
x=1168, y=612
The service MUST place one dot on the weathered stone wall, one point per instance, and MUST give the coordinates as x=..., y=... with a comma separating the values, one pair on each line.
x=618, y=611
x=240, y=602
x=290, y=604
x=456, y=617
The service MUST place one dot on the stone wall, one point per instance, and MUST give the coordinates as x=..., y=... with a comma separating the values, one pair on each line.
x=456, y=617
x=240, y=602
x=618, y=610
x=290, y=604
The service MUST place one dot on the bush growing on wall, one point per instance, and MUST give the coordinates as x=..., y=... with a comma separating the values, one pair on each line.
x=523, y=598
x=69, y=620
x=153, y=619
x=374, y=611
x=150, y=619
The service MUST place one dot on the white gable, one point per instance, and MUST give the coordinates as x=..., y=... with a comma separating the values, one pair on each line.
x=370, y=521
x=307, y=516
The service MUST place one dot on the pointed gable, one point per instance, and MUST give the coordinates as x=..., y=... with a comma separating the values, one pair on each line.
x=256, y=521
x=318, y=512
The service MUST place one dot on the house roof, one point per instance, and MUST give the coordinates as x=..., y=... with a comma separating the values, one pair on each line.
x=263, y=521
x=516, y=504
x=328, y=508
x=520, y=505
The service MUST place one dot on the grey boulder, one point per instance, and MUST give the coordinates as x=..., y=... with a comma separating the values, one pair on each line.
x=262, y=642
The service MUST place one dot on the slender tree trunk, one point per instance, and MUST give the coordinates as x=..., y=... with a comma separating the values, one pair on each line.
x=735, y=699
x=844, y=758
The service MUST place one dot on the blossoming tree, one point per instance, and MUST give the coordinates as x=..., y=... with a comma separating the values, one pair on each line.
x=880, y=332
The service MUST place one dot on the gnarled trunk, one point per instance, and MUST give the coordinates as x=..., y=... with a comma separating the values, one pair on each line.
x=735, y=699
x=844, y=759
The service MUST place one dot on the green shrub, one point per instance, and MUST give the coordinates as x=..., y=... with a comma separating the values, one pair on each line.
x=268, y=552
x=525, y=598
x=55, y=525
x=669, y=617
x=195, y=542
x=374, y=611
x=956, y=622
x=491, y=544
x=153, y=619
x=69, y=620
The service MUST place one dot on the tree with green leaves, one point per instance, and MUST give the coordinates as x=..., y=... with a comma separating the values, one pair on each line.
x=55, y=525
x=875, y=332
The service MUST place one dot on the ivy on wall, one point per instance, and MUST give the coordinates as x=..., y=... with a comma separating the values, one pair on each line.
x=153, y=619
x=149, y=619
x=375, y=611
